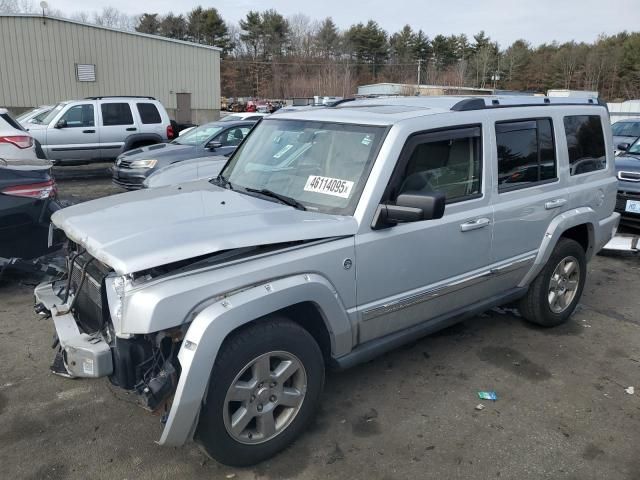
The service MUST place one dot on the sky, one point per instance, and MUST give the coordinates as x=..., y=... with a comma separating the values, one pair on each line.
x=538, y=21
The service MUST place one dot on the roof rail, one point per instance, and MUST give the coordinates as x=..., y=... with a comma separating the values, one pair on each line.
x=338, y=102
x=120, y=96
x=478, y=103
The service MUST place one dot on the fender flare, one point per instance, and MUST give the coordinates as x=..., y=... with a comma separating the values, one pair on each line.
x=215, y=322
x=559, y=225
x=141, y=137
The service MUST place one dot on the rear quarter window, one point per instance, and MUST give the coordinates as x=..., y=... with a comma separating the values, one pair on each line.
x=116, y=114
x=149, y=113
x=585, y=143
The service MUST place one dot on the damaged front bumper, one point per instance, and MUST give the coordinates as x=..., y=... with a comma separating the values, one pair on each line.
x=141, y=364
x=82, y=355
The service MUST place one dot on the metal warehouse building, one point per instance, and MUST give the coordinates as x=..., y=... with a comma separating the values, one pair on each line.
x=44, y=60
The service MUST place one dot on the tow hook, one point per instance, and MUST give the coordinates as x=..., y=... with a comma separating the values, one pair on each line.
x=41, y=310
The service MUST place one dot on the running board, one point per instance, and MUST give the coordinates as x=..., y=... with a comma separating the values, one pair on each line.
x=374, y=348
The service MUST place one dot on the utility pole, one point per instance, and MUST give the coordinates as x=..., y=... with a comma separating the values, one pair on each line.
x=419, y=70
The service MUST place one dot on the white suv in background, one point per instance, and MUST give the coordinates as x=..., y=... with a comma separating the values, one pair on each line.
x=101, y=128
x=16, y=145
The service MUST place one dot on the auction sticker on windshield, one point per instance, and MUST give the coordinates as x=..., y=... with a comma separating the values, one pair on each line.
x=329, y=186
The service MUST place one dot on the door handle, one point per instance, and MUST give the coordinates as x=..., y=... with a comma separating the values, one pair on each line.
x=88, y=131
x=132, y=129
x=555, y=203
x=475, y=224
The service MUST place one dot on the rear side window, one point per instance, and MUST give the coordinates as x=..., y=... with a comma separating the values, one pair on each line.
x=585, y=141
x=116, y=114
x=148, y=113
x=526, y=153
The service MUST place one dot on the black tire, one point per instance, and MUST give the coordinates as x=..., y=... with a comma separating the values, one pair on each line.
x=535, y=306
x=274, y=334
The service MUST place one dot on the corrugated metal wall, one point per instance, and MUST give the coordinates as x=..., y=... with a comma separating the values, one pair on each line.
x=37, y=65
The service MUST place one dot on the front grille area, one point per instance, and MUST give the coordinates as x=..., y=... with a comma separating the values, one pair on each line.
x=89, y=307
x=125, y=163
x=629, y=176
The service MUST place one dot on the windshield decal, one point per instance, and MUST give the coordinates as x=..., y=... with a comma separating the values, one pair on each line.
x=329, y=186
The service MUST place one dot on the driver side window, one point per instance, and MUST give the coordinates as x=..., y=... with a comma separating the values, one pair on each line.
x=447, y=162
x=233, y=136
x=79, y=116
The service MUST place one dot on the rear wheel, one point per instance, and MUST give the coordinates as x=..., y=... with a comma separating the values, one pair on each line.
x=265, y=388
x=556, y=291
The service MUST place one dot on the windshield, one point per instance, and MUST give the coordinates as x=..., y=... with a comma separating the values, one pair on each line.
x=324, y=166
x=39, y=117
x=21, y=117
x=626, y=129
x=198, y=135
x=635, y=148
x=52, y=114
x=231, y=118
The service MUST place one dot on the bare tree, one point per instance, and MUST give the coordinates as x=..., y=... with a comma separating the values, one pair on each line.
x=17, y=6
x=568, y=57
x=113, y=18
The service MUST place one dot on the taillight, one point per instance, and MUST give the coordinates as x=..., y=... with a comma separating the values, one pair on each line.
x=32, y=190
x=170, y=132
x=20, y=141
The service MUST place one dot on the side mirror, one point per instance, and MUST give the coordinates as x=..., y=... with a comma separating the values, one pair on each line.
x=61, y=124
x=623, y=146
x=213, y=145
x=410, y=207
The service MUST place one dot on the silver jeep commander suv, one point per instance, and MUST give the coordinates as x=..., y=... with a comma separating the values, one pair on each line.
x=331, y=236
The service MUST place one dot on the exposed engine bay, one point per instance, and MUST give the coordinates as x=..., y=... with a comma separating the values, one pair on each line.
x=87, y=346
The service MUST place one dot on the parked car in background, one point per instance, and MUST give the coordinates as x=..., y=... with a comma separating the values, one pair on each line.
x=210, y=139
x=243, y=116
x=628, y=172
x=27, y=200
x=35, y=115
x=101, y=128
x=331, y=236
x=16, y=144
x=27, y=192
x=186, y=171
x=625, y=131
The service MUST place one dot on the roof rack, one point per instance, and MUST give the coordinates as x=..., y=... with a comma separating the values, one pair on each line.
x=338, y=102
x=478, y=103
x=120, y=96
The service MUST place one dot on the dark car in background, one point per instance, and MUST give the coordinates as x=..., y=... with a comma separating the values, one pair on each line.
x=27, y=201
x=628, y=173
x=211, y=139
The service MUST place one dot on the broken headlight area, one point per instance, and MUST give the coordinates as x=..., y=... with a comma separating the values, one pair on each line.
x=147, y=364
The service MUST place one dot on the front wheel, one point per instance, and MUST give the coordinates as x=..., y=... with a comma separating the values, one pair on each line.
x=556, y=291
x=265, y=388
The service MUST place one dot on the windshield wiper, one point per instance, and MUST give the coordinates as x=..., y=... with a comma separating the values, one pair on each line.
x=222, y=181
x=281, y=198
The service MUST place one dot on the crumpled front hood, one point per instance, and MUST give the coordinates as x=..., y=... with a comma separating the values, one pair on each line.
x=147, y=228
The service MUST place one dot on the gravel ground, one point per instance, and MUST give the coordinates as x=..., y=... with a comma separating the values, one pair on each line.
x=562, y=410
